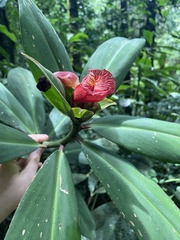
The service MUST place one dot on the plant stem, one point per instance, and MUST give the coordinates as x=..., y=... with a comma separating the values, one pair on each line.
x=71, y=135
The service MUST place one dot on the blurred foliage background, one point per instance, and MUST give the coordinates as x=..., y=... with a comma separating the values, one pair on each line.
x=151, y=88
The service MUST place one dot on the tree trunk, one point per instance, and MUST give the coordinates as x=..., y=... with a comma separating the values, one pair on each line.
x=124, y=19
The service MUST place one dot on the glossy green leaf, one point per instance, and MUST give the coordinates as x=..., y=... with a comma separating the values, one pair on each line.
x=72, y=151
x=40, y=41
x=22, y=85
x=82, y=114
x=57, y=100
x=154, y=138
x=57, y=125
x=115, y=55
x=51, y=77
x=86, y=221
x=14, y=144
x=48, y=209
x=13, y=113
x=105, y=103
x=150, y=212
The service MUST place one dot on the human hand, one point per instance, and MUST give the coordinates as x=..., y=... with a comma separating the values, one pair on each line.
x=16, y=176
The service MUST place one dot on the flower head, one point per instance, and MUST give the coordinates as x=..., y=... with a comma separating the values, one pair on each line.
x=68, y=79
x=94, y=87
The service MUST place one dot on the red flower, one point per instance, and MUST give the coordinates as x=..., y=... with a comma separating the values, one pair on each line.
x=68, y=79
x=94, y=87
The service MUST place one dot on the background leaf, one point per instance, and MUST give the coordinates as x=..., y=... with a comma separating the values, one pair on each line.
x=148, y=35
x=13, y=113
x=110, y=224
x=22, y=85
x=4, y=30
x=154, y=138
x=14, y=143
x=57, y=125
x=51, y=203
x=141, y=201
x=115, y=55
x=72, y=151
x=86, y=221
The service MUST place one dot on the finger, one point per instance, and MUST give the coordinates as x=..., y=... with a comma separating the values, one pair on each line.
x=40, y=165
x=22, y=162
x=32, y=163
x=39, y=137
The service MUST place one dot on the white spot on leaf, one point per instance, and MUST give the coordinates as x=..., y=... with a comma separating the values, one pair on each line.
x=60, y=227
x=61, y=189
x=122, y=214
x=140, y=234
x=132, y=223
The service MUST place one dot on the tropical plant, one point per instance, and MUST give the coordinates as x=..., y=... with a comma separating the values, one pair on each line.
x=52, y=208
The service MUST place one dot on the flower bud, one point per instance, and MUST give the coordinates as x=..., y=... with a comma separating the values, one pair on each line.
x=68, y=79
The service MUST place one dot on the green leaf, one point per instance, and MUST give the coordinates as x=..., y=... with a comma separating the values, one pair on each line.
x=51, y=203
x=78, y=37
x=4, y=30
x=154, y=138
x=13, y=113
x=82, y=114
x=148, y=35
x=110, y=224
x=72, y=151
x=40, y=41
x=22, y=85
x=4, y=53
x=86, y=221
x=150, y=212
x=105, y=103
x=115, y=55
x=57, y=125
x=14, y=144
x=123, y=87
x=51, y=77
x=57, y=100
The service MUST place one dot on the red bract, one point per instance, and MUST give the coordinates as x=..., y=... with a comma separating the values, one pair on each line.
x=68, y=79
x=95, y=86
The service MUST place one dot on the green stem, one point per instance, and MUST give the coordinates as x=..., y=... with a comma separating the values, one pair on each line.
x=71, y=135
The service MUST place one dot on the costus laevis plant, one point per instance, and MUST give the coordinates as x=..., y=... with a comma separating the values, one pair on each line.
x=79, y=118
